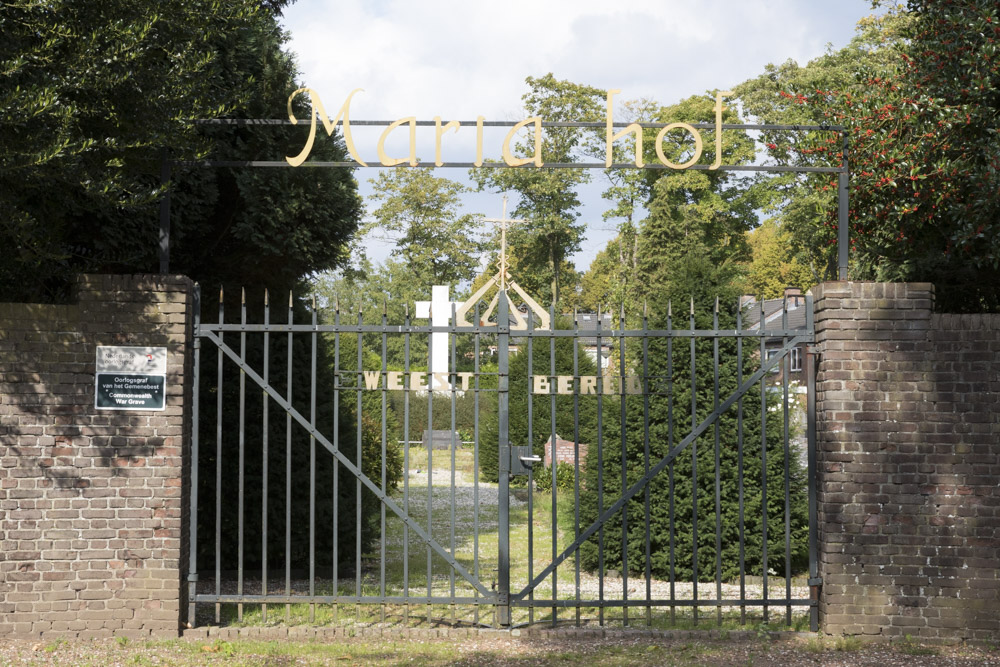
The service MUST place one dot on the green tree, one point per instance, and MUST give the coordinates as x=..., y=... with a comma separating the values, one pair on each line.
x=774, y=267
x=805, y=205
x=548, y=198
x=685, y=485
x=438, y=245
x=697, y=218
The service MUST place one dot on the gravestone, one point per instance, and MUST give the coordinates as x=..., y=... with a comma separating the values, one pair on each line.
x=441, y=438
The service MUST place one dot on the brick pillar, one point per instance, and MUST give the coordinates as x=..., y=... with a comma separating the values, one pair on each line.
x=908, y=439
x=91, y=500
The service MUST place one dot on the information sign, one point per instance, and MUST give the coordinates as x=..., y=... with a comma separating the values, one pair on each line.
x=131, y=378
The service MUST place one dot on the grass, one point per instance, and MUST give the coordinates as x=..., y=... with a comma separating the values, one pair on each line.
x=408, y=566
x=909, y=646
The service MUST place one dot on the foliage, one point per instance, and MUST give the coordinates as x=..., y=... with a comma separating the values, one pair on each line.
x=922, y=114
x=548, y=197
x=675, y=491
x=801, y=204
x=530, y=415
x=697, y=221
x=565, y=477
x=438, y=245
x=774, y=267
x=93, y=94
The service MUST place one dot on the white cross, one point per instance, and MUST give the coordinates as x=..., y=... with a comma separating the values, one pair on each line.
x=504, y=223
x=439, y=310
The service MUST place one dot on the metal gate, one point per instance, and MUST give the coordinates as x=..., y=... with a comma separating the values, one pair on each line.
x=312, y=496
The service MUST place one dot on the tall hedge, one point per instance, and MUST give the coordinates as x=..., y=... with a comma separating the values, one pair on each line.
x=670, y=420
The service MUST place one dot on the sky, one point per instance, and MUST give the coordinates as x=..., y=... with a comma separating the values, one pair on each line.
x=463, y=59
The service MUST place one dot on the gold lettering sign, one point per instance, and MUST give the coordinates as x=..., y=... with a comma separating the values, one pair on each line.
x=343, y=116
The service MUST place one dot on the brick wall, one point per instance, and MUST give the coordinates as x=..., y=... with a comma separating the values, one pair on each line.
x=908, y=412
x=91, y=500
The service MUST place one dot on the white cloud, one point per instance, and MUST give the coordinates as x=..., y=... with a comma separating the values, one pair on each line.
x=460, y=59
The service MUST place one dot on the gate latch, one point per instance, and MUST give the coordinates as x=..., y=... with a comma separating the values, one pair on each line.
x=521, y=460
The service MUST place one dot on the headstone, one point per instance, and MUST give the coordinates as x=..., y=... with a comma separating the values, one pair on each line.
x=441, y=439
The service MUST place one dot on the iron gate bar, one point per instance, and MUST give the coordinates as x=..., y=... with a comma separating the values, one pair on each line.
x=545, y=123
x=600, y=470
x=645, y=465
x=694, y=474
x=763, y=473
x=275, y=164
x=766, y=366
x=218, y=473
x=785, y=368
x=624, y=459
x=288, y=466
x=576, y=462
x=739, y=464
x=264, y=456
x=406, y=460
x=492, y=329
x=718, y=463
x=663, y=602
x=313, y=432
x=192, y=576
x=503, y=446
x=670, y=444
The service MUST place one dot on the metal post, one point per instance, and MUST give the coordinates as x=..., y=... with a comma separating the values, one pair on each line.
x=843, y=243
x=164, y=213
x=192, y=577
x=503, y=527
x=815, y=582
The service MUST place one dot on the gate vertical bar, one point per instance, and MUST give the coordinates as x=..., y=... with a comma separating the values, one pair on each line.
x=406, y=464
x=242, y=451
x=192, y=576
x=785, y=370
x=670, y=445
x=218, y=466
x=359, y=383
x=531, y=478
x=739, y=464
x=576, y=457
x=384, y=434
x=452, y=379
x=600, y=471
x=814, y=580
x=554, y=463
x=337, y=383
x=288, y=462
x=694, y=475
x=264, y=454
x=475, y=465
x=312, y=464
x=645, y=461
x=763, y=461
x=429, y=446
x=624, y=457
x=718, y=465
x=503, y=497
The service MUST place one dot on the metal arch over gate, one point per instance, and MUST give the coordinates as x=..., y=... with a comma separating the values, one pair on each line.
x=444, y=536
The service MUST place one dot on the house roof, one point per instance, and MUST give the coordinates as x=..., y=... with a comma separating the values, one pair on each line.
x=773, y=310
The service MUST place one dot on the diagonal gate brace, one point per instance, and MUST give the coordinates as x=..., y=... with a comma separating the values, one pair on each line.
x=374, y=488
